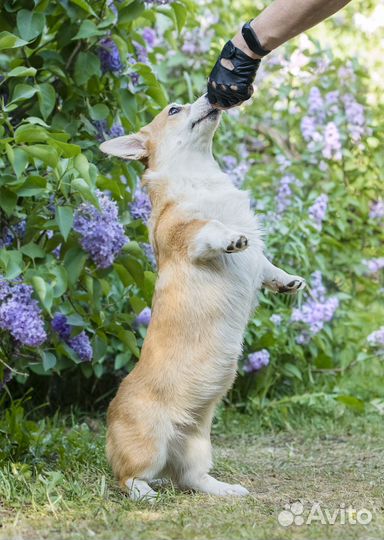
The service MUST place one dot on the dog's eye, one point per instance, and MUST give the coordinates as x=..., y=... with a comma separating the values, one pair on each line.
x=174, y=110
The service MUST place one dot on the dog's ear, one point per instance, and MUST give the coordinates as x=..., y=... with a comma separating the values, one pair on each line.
x=128, y=147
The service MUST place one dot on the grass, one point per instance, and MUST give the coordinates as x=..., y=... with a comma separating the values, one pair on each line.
x=61, y=488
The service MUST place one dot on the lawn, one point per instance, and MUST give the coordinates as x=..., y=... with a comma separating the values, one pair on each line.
x=68, y=492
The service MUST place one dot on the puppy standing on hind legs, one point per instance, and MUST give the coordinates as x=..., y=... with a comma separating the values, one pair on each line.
x=210, y=268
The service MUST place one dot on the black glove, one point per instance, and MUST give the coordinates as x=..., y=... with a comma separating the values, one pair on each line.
x=230, y=87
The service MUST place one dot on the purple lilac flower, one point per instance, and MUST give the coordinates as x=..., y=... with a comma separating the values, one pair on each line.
x=332, y=98
x=332, y=143
x=354, y=112
x=116, y=130
x=82, y=346
x=318, y=210
x=308, y=128
x=109, y=56
x=143, y=317
x=101, y=128
x=315, y=102
x=376, y=339
x=140, y=207
x=141, y=53
x=283, y=162
x=317, y=286
x=196, y=41
x=7, y=377
x=103, y=132
x=101, y=234
x=80, y=343
x=147, y=248
x=316, y=311
x=276, y=319
x=20, y=314
x=256, y=361
x=374, y=265
x=236, y=171
x=11, y=233
x=61, y=326
x=150, y=37
x=284, y=193
x=346, y=74
x=377, y=210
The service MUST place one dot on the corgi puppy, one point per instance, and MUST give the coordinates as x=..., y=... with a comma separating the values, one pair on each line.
x=211, y=266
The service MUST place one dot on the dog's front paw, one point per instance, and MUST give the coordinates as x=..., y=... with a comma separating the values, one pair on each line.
x=237, y=243
x=296, y=284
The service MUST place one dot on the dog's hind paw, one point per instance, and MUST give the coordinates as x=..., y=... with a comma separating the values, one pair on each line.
x=238, y=243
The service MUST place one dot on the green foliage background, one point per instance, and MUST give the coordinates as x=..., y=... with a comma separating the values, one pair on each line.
x=54, y=93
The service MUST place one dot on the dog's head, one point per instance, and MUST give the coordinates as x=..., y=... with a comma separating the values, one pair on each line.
x=174, y=134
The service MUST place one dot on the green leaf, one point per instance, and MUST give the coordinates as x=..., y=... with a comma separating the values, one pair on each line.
x=86, y=66
x=33, y=251
x=82, y=165
x=30, y=24
x=138, y=304
x=60, y=282
x=80, y=185
x=99, y=112
x=64, y=219
x=65, y=149
x=180, y=14
x=352, y=403
x=131, y=12
x=49, y=360
x=129, y=339
x=154, y=89
x=47, y=99
x=10, y=41
x=122, y=359
x=34, y=185
x=8, y=201
x=74, y=261
x=75, y=320
x=88, y=29
x=20, y=160
x=292, y=370
x=44, y=153
x=12, y=261
x=30, y=133
x=40, y=287
x=22, y=71
x=23, y=92
x=85, y=6
x=124, y=275
x=129, y=106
